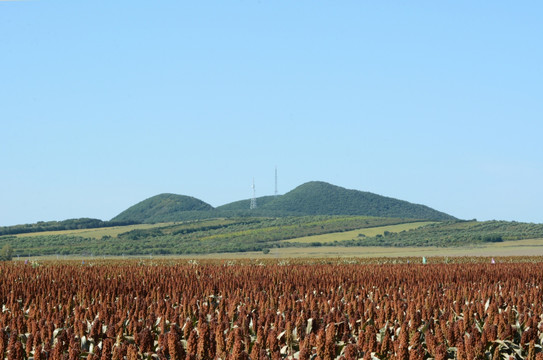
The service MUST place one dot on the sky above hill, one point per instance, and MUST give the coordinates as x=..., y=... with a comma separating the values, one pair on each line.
x=106, y=103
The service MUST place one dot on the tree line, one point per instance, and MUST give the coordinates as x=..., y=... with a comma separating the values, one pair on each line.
x=70, y=224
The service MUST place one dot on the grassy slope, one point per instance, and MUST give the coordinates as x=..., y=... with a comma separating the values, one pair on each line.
x=96, y=233
x=349, y=235
x=518, y=249
x=456, y=234
x=256, y=234
x=529, y=247
x=203, y=236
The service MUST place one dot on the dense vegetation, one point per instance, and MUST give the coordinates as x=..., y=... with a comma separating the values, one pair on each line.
x=6, y=253
x=243, y=205
x=260, y=234
x=195, y=237
x=317, y=197
x=70, y=224
x=165, y=208
x=138, y=310
x=454, y=233
x=312, y=198
x=195, y=227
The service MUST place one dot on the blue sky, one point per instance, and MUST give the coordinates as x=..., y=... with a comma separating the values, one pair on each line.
x=106, y=103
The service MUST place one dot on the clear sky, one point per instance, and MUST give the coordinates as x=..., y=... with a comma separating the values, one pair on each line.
x=106, y=103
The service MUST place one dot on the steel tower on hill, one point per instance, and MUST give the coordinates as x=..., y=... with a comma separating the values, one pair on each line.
x=253, y=199
x=276, y=193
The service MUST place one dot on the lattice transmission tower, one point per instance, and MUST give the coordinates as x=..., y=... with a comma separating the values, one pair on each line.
x=253, y=199
x=276, y=192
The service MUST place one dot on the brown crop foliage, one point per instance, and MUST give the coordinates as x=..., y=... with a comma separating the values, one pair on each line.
x=273, y=310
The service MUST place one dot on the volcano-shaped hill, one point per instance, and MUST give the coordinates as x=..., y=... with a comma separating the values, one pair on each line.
x=164, y=208
x=320, y=198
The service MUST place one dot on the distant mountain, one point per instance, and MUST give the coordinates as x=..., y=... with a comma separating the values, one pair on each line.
x=312, y=198
x=164, y=208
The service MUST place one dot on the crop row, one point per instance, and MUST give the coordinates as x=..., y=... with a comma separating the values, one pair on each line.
x=240, y=311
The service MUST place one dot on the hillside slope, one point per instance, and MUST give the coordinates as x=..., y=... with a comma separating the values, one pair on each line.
x=164, y=208
x=258, y=234
x=242, y=205
x=321, y=198
x=312, y=198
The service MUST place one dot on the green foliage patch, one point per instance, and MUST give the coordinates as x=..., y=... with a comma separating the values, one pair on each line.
x=6, y=253
x=264, y=233
x=317, y=197
x=195, y=237
x=70, y=224
x=165, y=208
x=454, y=233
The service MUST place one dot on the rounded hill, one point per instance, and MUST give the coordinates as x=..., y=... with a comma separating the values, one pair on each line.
x=312, y=198
x=321, y=198
x=163, y=208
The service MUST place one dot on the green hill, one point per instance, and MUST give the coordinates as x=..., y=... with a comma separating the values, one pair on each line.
x=164, y=208
x=320, y=198
x=312, y=198
x=312, y=209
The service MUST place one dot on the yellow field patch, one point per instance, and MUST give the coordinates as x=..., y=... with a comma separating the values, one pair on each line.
x=353, y=234
x=97, y=233
x=530, y=247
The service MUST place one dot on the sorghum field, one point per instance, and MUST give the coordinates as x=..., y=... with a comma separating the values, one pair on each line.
x=311, y=309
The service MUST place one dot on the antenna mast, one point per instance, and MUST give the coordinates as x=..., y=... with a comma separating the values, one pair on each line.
x=275, y=180
x=253, y=199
